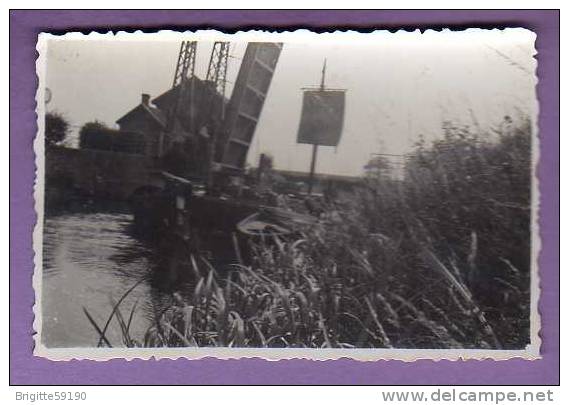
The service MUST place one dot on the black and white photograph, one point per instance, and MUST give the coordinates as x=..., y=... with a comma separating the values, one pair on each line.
x=283, y=195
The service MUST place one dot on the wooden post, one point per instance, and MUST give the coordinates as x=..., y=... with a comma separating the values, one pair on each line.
x=315, y=146
x=312, y=168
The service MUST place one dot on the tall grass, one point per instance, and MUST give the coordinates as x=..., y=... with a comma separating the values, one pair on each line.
x=467, y=199
x=437, y=259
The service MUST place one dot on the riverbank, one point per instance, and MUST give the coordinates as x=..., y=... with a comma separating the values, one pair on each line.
x=439, y=259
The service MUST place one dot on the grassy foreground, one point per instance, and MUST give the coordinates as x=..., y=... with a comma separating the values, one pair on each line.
x=439, y=258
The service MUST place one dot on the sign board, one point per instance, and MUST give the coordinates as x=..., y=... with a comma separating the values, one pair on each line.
x=322, y=117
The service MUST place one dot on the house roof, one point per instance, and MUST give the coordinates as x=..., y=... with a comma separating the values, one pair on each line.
x=157, y=114
x=167, y=97
x=154, y=112
x=163, y=102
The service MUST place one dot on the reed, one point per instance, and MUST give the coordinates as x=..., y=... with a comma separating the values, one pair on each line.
x=436, y=259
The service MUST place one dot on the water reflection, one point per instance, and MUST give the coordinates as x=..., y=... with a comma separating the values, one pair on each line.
x=90, y=260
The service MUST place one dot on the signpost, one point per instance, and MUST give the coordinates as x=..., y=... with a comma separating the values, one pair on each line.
x=321, y=120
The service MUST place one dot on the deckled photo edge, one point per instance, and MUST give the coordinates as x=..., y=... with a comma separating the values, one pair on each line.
x=532, y=351
x=39, y=184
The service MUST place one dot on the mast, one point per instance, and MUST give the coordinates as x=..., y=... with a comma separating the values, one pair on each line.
x=315, y=145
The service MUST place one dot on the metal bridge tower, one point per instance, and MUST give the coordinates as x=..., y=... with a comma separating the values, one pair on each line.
x=216, y=80
x=186, y=62
x=185, y=68
x=183, y=76
x=217, y=73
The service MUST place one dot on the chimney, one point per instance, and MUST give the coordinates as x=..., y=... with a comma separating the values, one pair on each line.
x=145, y=99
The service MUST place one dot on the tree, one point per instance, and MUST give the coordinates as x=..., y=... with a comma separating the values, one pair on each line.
x=56, y=128
x=377, y=167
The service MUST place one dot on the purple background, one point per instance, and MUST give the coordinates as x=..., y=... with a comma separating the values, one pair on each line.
x=26, y=369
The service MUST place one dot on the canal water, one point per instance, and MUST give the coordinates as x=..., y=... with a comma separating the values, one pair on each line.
x=90, y=261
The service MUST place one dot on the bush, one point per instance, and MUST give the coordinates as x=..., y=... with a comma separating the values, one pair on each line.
x=96, y=135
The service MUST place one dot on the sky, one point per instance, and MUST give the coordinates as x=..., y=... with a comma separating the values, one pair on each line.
x=398, y=85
